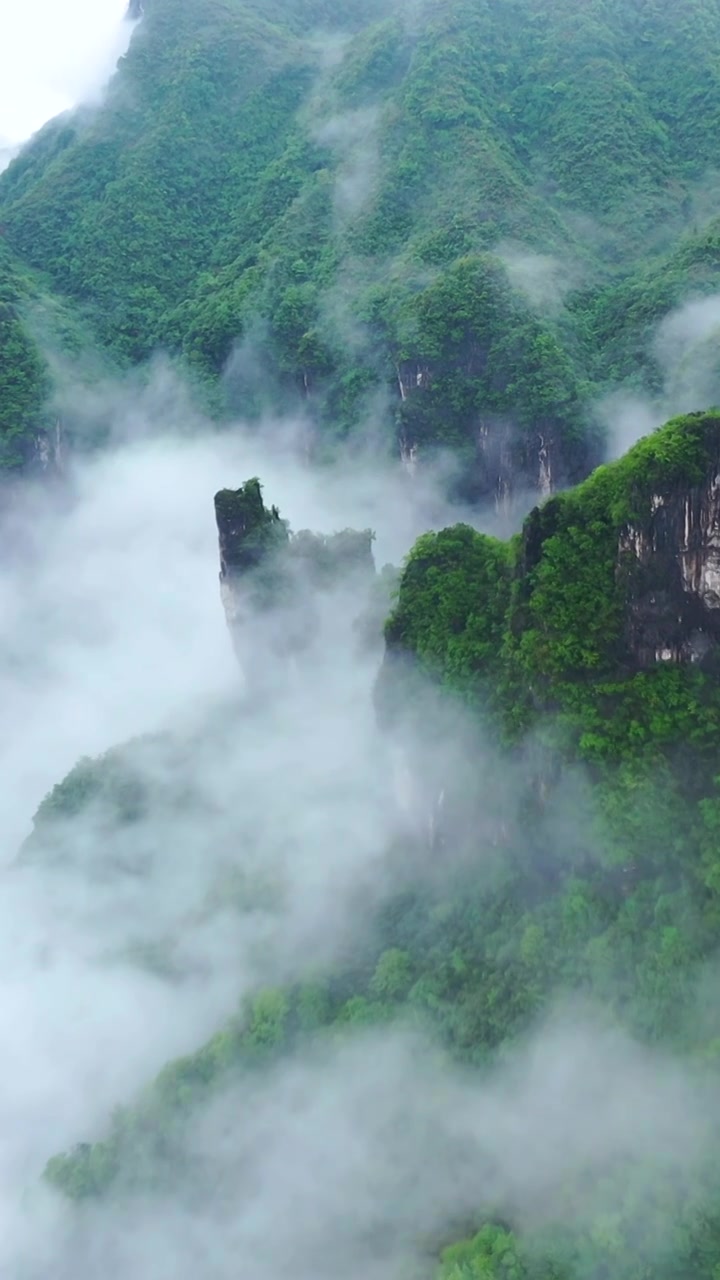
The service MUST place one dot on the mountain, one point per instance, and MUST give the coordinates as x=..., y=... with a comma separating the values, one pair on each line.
x=597, y=627
x=48, y=352
x=23, y=378
x=462, y=222
x=440, y=871
x=569, y=843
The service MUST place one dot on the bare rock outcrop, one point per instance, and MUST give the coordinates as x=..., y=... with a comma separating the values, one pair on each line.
x=273, y=582
x=671, y=565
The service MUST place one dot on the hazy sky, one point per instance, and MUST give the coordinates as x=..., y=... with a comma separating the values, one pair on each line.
x=54, y=53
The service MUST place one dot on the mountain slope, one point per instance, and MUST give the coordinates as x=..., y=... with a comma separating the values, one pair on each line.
x=305, y=197
x=23, y=376
x=539, y=881
x=464, y=910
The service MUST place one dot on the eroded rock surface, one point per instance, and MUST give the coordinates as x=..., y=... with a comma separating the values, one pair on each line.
x=673, y=565
x=273, y=582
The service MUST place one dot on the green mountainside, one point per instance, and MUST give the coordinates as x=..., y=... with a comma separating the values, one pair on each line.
x=47, y=351
x=23, y=374
x=467, y=221
x=594, y=632
x=576, y=854
x=463, y=217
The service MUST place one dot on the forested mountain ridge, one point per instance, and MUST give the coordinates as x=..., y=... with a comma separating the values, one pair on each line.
x=456, y=217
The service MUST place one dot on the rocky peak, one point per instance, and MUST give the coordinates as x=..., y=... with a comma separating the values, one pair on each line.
x=272, y=581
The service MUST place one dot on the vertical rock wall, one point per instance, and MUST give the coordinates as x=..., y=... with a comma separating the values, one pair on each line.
x=670, y=566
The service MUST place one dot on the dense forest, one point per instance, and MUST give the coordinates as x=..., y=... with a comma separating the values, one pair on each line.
x=455, y=838
x=466, y=220
x=576, y=852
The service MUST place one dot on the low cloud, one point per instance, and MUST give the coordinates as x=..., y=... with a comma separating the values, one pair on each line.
x=541, y=278
x=353, y=138
x=267, y=838
x=359, y=1156
x=684, y=348
x=126, y=942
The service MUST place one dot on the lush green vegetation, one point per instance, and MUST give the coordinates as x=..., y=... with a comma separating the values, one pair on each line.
x=250, y=532
x=48, y=349
x=23, y=376
x=351, y=225
x=336, y=220
x=583, y=861
x=536, y=632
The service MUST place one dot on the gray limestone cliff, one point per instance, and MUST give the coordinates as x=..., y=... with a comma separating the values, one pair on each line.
x=670, y=566
x=570, y=626
x=273, y=583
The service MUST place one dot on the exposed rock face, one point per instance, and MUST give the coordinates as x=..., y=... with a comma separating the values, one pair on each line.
x=617, y=577
x=254, y=585
x=248, y=531
x=509, y=464
x=413, y=375
x=272, y=581
x=49, y=456
x=673, y=566
x=501, y=462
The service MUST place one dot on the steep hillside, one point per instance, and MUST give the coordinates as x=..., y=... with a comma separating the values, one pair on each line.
x=424, y=891
x=452, y=219
x=23, y=377
x=573, y=853
x=595, y=629
x=48, y=353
